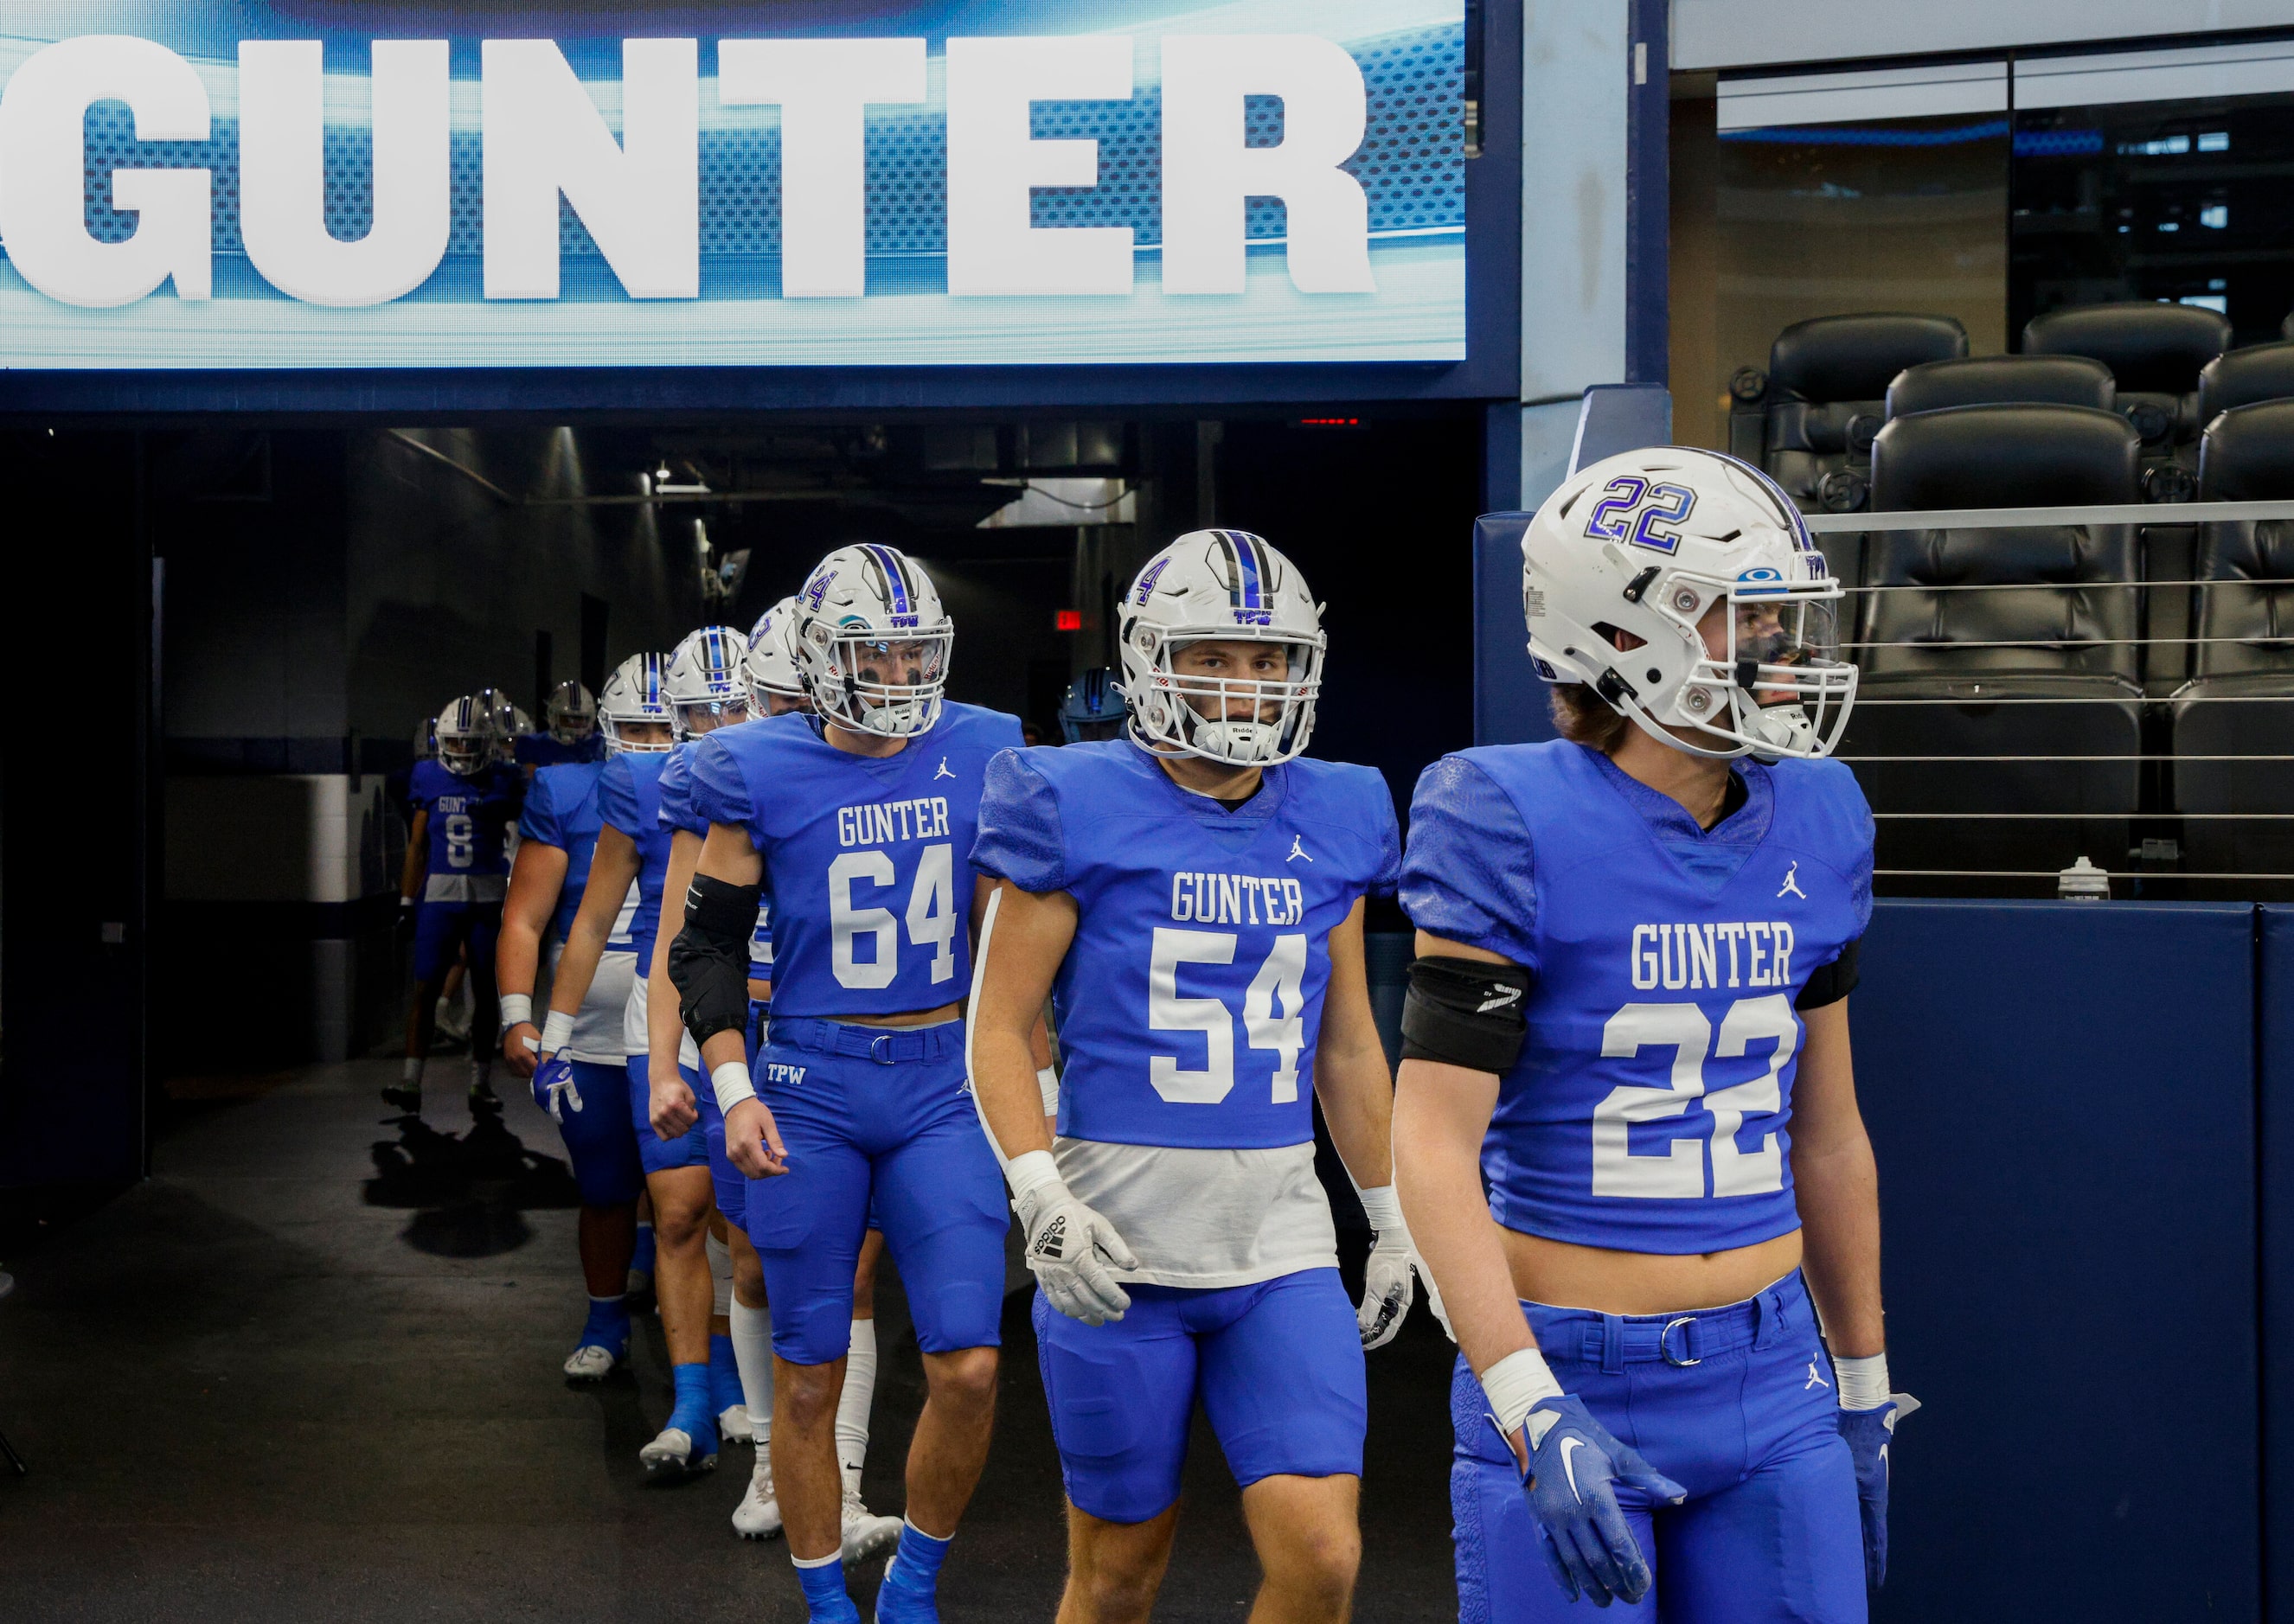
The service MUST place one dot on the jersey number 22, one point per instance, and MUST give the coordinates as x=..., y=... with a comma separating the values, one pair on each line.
x=1679, y=1173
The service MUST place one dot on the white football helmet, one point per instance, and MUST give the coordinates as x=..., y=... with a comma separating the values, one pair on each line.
x=465, y=736
x=703, y=685
x=772, y=669
x=634, y=695
x=1226, y=585
x=1646, y=544
x=570, y=714
x=873, y=641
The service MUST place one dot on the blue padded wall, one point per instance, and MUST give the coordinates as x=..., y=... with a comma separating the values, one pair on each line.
x=2061, y=1099
x=2274, y=1099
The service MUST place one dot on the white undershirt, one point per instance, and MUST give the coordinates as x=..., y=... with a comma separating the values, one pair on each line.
x=1205, y=1218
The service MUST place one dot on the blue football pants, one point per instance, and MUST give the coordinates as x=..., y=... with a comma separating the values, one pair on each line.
x=905, y=1141
x=1738, y=1405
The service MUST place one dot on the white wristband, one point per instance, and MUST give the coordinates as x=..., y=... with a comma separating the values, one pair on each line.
x=1030, y=1173
x=556, y=1032
x=731, y=1082
x=1863, y=1382
x=1516, y=1383
x=517, y=1009
x=1383, y=1208
x=1048, y=1083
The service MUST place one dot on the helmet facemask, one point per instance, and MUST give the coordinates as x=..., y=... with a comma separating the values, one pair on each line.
x=633, y=699
x=1236, y=721
x=1780, y=688
x=570, y=714
x=889, y=686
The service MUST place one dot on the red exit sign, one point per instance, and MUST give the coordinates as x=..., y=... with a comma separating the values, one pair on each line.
x=1067, y=620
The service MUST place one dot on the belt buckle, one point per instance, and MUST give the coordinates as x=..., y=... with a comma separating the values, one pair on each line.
x=1665, y=1342
x=880, y=1048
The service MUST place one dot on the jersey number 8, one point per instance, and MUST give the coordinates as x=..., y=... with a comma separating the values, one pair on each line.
x=1679, y=1174
x=1282, y=977
x=461, y=839
x=931, y=916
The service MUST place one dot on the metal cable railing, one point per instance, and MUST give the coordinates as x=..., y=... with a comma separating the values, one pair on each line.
x=2218, y=814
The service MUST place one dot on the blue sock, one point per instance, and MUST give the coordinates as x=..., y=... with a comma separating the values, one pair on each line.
x=912, y=1579
x=825, y=1598
x=642, y=1260
x=724, y=1375
x=693, y=1416
x=607, y=1325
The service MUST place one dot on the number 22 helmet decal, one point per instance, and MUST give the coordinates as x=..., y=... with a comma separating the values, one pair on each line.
x=1621, y=562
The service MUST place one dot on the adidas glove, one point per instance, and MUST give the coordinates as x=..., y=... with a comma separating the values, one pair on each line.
x=1387, y=1287
x=1069, y=1247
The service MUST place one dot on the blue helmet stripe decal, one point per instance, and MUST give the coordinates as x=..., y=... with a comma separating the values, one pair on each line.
x=1250, y=572
x=894, y=574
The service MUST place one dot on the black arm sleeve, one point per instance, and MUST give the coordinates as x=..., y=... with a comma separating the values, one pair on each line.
x=1830, y=983
x=709, y=961
x=1465, y=1012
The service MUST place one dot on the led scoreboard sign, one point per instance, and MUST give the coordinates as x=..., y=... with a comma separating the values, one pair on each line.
x=1269, y=181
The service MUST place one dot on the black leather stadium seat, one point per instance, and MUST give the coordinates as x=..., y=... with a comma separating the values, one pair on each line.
x=2226, y=708
x=1810, y=421
x=2001, y=381
x=2155, y=351
x=2241, y=378
x=1955, y=673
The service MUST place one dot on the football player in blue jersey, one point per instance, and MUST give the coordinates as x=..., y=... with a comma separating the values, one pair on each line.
x=705, y=692
x=633, y=846
x=776, y=687
x=1092, y=709
x=858, y=823
x=452, y=888
x=569, y=733
x=1192, y=898
x=1626, y=1133
x=583, y=1086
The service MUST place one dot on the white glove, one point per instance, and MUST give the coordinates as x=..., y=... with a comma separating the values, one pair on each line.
x=1387, y=1289
x=1068, y=1246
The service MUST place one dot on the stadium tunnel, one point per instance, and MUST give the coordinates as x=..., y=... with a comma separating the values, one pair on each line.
x=313, y=596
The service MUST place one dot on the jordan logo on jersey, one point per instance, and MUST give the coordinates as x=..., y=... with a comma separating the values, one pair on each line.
x=1791, y=886
x=943, y=772
x=1297, y=850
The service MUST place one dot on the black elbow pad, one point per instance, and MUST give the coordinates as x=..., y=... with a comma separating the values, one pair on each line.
x=1465, y=1012
x=709, y=961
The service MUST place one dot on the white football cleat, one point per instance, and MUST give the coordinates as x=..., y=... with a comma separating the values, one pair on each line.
x=591, y=1363
x=866, y=1534
x=671, y=1455
x=733, y=1424
x=758, y=1516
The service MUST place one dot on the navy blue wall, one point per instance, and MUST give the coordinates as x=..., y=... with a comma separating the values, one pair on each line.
x=2274, y=1100
x=2062, y=1096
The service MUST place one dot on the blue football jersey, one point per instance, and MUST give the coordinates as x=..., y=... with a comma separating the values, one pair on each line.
x=1650, y=1109
x=1191, y=1001
x=540, y=750
x=677, y=792
x=867, y=859
x=629, y=799
x=468, y=817
x=677, y=812
x=561, y=810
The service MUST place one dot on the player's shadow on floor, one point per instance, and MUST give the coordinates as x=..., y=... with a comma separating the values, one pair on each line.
x=469, y=1194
